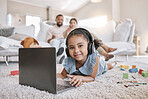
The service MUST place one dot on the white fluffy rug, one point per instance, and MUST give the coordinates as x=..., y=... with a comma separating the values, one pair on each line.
x=105, y=86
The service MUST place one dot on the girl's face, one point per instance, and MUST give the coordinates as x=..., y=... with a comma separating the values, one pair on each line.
x=73, y=24
x=77, y=46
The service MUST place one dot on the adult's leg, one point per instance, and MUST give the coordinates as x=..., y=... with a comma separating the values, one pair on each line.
x=108, y=49
x=104, y=53
x=55, y=43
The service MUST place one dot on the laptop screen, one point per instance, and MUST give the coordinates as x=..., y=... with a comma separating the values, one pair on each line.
x=37, y=68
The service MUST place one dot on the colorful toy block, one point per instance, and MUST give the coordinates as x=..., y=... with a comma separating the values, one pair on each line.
x=133, y=66
x=122, y=69
x=125, y=75
x=133, y=70
x=140, y=71
x=134, y=81
x=124, y=66
x=16, y=72
x=145, y=73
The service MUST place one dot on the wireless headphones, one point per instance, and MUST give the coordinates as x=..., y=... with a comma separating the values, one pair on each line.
x=84, y=32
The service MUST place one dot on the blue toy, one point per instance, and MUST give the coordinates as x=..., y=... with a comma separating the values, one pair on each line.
x=133, y=70
x=122, y=69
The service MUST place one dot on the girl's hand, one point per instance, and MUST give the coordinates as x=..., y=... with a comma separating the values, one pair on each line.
x=76, y=80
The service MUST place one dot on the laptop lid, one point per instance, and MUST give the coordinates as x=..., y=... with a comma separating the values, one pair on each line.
x=37, y=68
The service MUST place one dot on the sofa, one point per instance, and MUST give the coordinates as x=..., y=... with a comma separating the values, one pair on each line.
x=114, y=35
x=117, y=36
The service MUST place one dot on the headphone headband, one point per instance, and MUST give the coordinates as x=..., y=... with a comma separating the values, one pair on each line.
x=80, y=31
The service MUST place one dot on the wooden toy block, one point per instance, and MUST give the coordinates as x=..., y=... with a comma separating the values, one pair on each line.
x=124, y=66
x=145, y=73
x=133, y=66
x=134, y=81
x=125, y=75
x=140, y=71
x=133, y=70
x=16, y=72
x=122, y=69
x=121, y=66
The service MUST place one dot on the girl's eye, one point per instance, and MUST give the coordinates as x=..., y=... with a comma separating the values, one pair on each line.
x=80, y=45
x=71, y=47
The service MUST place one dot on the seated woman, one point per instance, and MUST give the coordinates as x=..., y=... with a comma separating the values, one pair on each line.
x=102, y=49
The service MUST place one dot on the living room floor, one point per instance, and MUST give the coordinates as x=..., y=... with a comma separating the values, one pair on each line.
x=105, y=86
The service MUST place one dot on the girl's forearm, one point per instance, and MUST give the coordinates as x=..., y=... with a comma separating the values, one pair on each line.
x=87, y=79
x=59, y=75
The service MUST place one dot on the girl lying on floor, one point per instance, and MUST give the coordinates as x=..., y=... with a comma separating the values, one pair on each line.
x=82, y=63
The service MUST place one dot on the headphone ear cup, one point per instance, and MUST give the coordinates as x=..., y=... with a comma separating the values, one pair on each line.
x=67, y=52
x=89, y=48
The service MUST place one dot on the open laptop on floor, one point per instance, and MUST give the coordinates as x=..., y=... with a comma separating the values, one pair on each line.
x=37, y=68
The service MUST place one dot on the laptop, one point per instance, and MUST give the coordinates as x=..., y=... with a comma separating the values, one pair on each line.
x=37, y=68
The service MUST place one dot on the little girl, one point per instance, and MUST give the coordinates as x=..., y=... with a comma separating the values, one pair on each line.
x=83, y=63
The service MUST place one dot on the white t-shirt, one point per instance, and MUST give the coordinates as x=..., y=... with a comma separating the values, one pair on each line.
x=58, y=32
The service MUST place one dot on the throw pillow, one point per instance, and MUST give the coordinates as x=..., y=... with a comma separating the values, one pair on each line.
x=43, y=31
x=6, y=31
x=123, y=31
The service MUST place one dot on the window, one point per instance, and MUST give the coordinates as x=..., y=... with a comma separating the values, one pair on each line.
x=9, y=19
x=35, y=21
x=95, y=22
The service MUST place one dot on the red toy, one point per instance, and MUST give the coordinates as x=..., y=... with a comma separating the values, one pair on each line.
x=16, y=72
x=140, y=71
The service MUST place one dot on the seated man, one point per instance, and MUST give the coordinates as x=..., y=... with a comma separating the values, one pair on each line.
x=55, y=36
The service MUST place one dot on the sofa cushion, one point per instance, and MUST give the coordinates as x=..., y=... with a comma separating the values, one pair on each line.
x=27, y=30
x=123, y=31
x=18, y=36
x=43, y=31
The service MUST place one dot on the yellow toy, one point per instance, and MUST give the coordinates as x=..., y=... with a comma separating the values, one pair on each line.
x=124, y=66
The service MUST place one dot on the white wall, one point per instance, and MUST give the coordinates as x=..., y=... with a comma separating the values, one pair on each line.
x=3, y=11
x=26, y=9
x=116, y=10
x=56, y=12
x=137, y=11
x=95, y=9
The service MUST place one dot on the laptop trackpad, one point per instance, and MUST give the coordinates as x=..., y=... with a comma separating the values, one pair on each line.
x=63, y=85
x=63, y=82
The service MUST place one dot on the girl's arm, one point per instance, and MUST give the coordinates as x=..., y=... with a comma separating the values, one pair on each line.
x=77, y=79
x=63, y=74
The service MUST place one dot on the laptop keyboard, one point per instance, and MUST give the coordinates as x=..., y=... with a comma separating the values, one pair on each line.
x=62, y=87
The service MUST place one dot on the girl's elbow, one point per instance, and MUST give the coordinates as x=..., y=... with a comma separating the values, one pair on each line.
x=93, y=79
